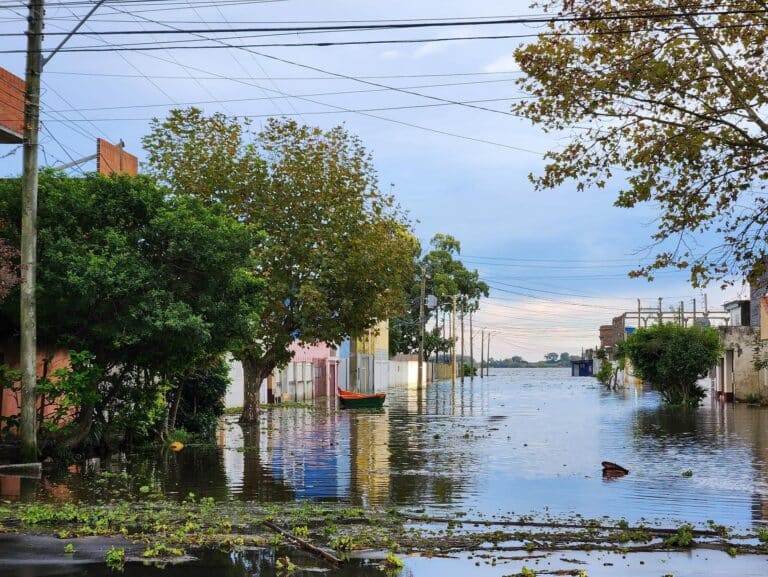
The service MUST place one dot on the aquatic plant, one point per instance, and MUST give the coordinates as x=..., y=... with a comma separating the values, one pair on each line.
x=526, y=572
x=115, y=558
x=285, y=565
x=342, y=543
x=69, y=549
x=683, y=537
x=687, y=473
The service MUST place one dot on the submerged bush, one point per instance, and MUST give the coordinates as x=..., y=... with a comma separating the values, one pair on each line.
x=673, y=358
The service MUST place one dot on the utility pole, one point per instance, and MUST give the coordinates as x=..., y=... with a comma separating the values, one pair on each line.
x=462, y=340
x=471, y=349
x=488, y=354
x=482, y=350
x=639, y=314
x=420, y=378
x=28, y=348
x=694, y=311
x=661, y=312
x=453, y=341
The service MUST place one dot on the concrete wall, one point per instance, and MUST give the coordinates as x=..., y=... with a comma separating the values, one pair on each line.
x=735, y=375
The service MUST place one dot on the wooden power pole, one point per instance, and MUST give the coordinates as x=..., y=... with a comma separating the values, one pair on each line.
x=453, y=341
x=420, y=377
x=29, y=184
x=482, y=344
x=461, y=312
x=488, y=355
x=471, y=349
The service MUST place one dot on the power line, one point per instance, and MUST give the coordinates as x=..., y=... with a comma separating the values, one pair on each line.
x=661, y=15
x=311, y=94
x=175, y=45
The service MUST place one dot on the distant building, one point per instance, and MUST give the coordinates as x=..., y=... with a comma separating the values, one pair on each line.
x=740, y=313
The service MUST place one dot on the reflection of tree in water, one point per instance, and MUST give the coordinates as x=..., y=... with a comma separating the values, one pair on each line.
x=258, y=480
x=427, y=463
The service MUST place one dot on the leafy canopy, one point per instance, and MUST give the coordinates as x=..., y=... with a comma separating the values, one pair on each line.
x=336, y=253
x=672, y=358
x=670, y=100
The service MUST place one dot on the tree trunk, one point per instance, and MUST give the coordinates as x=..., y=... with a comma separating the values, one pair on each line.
x=255, y=370
x=175, y=409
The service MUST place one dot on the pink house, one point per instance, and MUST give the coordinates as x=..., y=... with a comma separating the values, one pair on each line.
x=325, y=365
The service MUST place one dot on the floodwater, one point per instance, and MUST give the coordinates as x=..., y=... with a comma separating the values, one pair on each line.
x=523, y=441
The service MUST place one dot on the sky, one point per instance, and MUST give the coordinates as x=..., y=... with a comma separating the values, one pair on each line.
x=556, y=261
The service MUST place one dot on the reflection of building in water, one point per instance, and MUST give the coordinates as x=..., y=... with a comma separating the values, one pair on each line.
x=301, y=450
x=370, y=457
x=750, y=426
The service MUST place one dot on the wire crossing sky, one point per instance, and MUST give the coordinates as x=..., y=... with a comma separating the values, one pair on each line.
x=429, y=89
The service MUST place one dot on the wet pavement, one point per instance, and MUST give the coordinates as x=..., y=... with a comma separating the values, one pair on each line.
x=524, y=441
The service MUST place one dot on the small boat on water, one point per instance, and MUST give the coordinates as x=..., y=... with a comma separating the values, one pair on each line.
x=351, y=400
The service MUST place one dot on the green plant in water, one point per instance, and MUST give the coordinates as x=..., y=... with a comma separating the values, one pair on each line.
x=732, y=551
x=393, y=561
x=342, y=543
x=302, y=531
x=762, y=535
x=161, y=550
x=683, y=537
x=115, y=558
x=525, y=572
x=687, y=473
x=285, y=565
x=69, y=549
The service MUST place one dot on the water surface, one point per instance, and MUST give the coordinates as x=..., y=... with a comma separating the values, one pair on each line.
x=521, y=441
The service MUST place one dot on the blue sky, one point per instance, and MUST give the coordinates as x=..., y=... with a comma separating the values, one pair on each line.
x=557, y=259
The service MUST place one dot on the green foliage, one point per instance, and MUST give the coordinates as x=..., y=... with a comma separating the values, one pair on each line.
x=149, y=284
x=526, y=572
x=672, y=358
x=336, y=252
x=687, y=473
x=393, y=561
x=69, y=549
x=285, y=565
x=682, y=113
x=605, y=372
x=115, y=558
x=445, y=276
x=201, y=403
x=342, y=543
x=683, y=537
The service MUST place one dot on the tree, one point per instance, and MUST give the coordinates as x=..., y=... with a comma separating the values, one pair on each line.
x=551, y=357
x=670, y=98
x=152, y=287
x=565, y=358
x=672, y=358
x=336, y=254
x=446, y=276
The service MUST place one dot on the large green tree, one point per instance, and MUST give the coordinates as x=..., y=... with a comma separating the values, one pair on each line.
x=445, y=276
x=336, y=253
x=9, y=273
x=669, y=100
x=153, y=287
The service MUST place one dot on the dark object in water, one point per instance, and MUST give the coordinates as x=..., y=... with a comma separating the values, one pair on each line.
x=613, y=470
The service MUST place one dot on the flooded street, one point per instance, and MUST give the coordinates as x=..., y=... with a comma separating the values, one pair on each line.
x=522, y=442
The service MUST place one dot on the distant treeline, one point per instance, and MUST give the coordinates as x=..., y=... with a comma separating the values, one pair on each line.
x=550, y=360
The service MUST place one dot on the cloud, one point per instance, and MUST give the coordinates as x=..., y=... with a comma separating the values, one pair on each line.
x=502, y=64
x=389, y=55
x=430, y=49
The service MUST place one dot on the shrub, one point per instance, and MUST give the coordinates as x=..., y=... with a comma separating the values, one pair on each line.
x=673, y=358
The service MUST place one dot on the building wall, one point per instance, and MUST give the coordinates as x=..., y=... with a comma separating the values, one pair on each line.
x=11, y=107
x=56, y=358
x=735, y=375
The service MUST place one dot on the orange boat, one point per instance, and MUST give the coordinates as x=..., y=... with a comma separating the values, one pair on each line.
x=352, y=400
